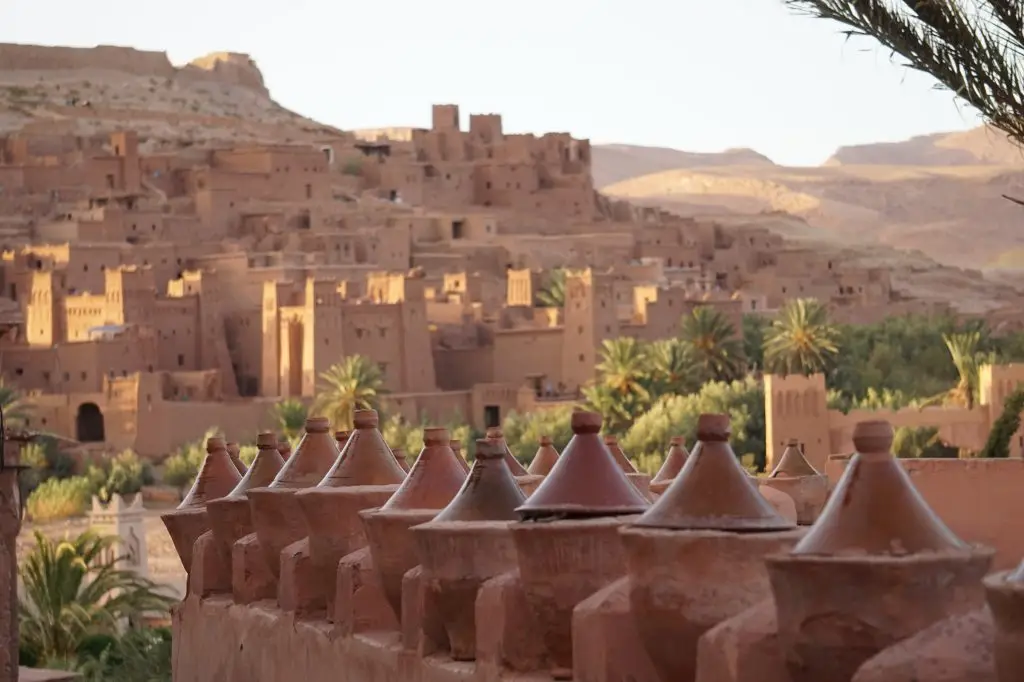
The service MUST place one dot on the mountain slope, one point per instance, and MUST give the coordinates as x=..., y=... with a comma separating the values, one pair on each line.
x=616, y=162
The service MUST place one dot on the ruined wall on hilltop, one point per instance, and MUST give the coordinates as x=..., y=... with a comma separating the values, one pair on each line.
x=224, y=67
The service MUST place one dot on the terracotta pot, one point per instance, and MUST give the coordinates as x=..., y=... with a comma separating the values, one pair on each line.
x=612, y=443
x=545, y=458
x=673, y=464
x=468, y=542
x=456, y=446
x=285, y=448
x=216, y=478
x=367, y=460
x=432, y=482
x=529, y=483
x=341, y=438
x=561, y=563
x=875, y=532
x=276, y=516
x=586, y=480
x=514, y=466
x=235, y=452
x=713, y=492
x=683, y=583
x=1004, y=593
x=230, y=517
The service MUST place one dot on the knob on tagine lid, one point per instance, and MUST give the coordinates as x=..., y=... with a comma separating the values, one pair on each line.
x=713, y=492
x=586, y=481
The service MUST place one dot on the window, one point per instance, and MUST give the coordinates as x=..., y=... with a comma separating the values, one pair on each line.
x=181, y=360
x=492, y=416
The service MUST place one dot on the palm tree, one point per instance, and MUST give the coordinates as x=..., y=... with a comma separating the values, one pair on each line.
x=16, y=411
x=672, y=368
x=801, y=339
x=552, y=295
x=972, y=49
x=964, y=352
x=621, y=391
x=73, y=589
x=289, y=417
x=710, y=339
x=354, y=384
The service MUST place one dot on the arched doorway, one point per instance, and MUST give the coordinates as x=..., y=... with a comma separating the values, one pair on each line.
x=89, y=424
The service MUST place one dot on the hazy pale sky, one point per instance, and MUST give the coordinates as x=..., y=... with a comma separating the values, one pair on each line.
x=699, y=75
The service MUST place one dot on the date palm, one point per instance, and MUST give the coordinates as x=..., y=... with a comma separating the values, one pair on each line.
x=16, y=411
x=621, y=392
x=289, y=417
x=710, y=340
x=75, y=588
x=672, y=368
x=552, y=295
x=356, y=383
x=801, y=339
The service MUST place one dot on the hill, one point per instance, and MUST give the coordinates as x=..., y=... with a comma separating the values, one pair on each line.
x=616, y=162
x=939, y=194
x=86, y=91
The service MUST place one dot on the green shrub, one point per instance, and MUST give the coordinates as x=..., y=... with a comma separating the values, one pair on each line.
x=523, y=431
x=60, y=498
x=123, y=474
x=247, y=454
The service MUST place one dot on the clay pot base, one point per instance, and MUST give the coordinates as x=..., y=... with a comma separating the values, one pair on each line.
x=893, y=598
x=277, y=520
x=1004, y=594
x=230, y=519
x=393, y=548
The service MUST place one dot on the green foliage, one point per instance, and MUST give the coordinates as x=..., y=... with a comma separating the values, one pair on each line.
x=754, y=329
x=247, y=453
x=60, y=498
x=924, y=441
x=998, y=443
x=672, y=415
x=74, y=589
x=523, y=431
x=710, y=340
x=356, y=383
x=123, y=474
x=400, y=433
x=552, y=294
x=289, y=417
x=181, y=468
x=139, y=655
x=801, y=339
x=15, y=409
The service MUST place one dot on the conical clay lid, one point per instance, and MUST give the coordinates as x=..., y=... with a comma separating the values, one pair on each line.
x=514, y=466
x=312, y=459
x=400, y=458
x=674, y=461
x=264, y=468
x=456, y=446
x=612, y=443
x=793, y=463
x=586, y=481
x=367, y=459
x=284, y=447
x=875, y=508
x=217, y=476
x=713, y=492
x=341, y=438
x=235, y=453
x=545, y=458
x=490, y=492
x=434, y=479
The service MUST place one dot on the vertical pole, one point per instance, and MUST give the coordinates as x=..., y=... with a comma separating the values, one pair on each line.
x=10, y=524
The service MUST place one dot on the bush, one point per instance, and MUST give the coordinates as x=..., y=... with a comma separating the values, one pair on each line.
x=123, y=474
x=523, y=431
x=60, y=498
x=247, y=454
x=138, y=654
x=181, y=468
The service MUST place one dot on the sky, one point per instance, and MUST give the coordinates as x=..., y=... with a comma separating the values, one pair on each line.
x=699, y=75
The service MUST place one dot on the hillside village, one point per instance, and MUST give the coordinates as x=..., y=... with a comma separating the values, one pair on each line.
x=160, y=278
x=181, y=257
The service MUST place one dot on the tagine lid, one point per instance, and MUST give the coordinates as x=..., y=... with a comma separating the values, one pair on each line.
x=341, y=438
x=545, y=458
x=235, y=453
x=456, y=446
x=284, y=447
x=875, y=508
x=314, y=456
x=586, y=481
x=434, y=478
x=793, y=463
x=399, y=454
x=674, y=461
x=217, y=476
x=366, y=459
x=1017, y=576
x=514, y=466
x=489, y=493
x=612, y=443
x=713, y=492
x=264, y=468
